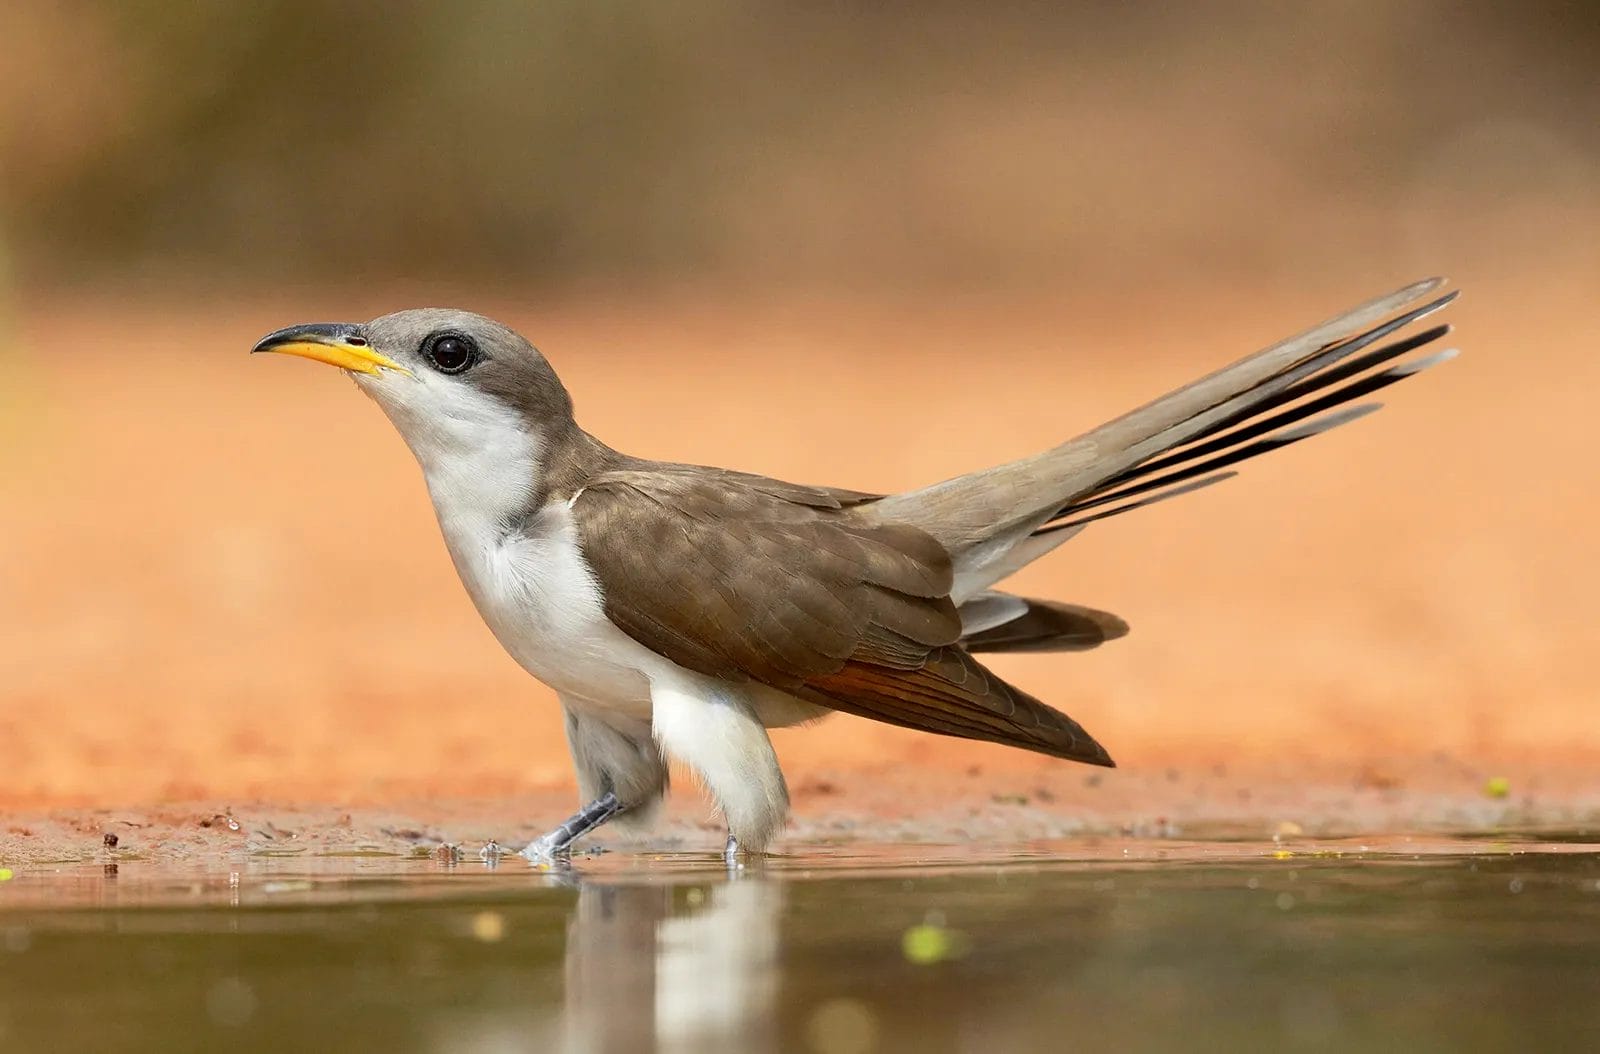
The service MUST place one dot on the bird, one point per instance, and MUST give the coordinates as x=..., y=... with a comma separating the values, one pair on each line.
x=681, y=611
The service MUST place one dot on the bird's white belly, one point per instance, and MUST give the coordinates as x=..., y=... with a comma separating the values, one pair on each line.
x=542, y=602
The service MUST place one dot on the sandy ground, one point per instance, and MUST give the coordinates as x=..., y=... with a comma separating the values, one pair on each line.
x=221, y=582
x=1264, y=808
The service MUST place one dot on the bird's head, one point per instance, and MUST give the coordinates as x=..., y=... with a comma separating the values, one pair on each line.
x=446, y=378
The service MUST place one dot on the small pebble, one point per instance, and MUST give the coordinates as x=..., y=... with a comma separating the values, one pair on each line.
x=289, y=886
x=110, y=840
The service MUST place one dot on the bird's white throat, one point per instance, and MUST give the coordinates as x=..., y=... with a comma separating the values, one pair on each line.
x=480, y=459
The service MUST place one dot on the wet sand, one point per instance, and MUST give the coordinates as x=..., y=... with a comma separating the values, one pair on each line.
x=224, y=589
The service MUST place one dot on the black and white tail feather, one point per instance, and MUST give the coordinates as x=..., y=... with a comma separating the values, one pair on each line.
x=1181, y=443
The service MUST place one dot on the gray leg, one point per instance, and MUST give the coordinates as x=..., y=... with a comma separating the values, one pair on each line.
x=611, y=753
x=558, y=842
x=730, y=853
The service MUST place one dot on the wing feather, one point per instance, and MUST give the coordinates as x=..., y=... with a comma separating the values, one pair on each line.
x=747, y=579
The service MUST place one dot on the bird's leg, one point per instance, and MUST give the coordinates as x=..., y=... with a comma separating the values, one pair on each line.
x=730, y=853
x=558, y=843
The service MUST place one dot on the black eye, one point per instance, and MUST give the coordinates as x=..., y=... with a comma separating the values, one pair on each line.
x=450, y=352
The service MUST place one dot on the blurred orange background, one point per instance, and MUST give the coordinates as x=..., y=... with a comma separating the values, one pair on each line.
x=870, y=248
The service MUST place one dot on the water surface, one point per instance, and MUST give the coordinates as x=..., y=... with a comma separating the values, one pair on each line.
x=1489, y=943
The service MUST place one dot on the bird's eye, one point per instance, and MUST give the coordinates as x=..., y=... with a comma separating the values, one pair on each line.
x=450, y=352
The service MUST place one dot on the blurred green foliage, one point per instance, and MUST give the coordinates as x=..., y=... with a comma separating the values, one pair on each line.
x=294, y=138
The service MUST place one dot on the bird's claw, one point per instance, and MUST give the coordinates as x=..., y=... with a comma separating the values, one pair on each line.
x=547, y=851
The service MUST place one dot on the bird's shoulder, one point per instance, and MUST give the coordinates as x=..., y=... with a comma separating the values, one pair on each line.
x=707, y=485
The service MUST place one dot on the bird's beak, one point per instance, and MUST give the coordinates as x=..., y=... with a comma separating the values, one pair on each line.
x=335, y=343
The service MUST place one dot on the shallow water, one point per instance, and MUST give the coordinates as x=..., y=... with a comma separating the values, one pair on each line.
x=1486, y=943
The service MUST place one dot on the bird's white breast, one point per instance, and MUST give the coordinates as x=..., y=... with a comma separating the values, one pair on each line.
x=527, y=575
x=542, y=602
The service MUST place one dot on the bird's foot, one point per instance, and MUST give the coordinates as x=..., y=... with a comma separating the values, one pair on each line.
x=547, y=850
x=556, y=846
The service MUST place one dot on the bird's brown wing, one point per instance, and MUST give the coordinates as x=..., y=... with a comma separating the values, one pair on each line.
x=954, y=694
x=743, y=578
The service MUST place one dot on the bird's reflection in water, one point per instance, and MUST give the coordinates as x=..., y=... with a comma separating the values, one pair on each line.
x=672, y=967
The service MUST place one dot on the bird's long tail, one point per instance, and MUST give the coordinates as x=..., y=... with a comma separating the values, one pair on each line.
x=996, y=520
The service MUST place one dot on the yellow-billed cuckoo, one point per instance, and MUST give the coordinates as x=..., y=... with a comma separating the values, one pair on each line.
x=680, y=611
